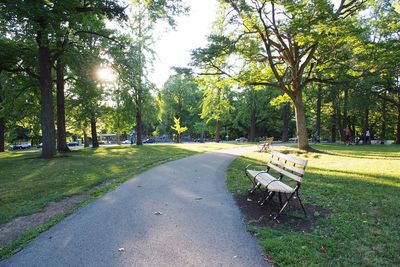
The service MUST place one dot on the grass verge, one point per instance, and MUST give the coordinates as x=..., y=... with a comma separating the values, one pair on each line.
x=359, y=185
x=28, y=183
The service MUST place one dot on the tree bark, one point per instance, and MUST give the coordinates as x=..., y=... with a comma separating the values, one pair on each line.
x=318, y=119
x=345, y=108
x=366, y=124
x=85, y=139
x=93, y=127
x=217, y=131
x=2, y=131
x=2, y=122
x=47, y=107
x=333, y=128
x=398, y=116
x=139, y=127
x=61, y=133
x=301, y=122
x=383, y=127
x=285, y=119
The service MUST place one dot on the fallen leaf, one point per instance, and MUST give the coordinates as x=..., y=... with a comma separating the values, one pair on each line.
x=323, y=249
x=121, y=249
x=198, y=198
x=249, y=200
x=157, y=213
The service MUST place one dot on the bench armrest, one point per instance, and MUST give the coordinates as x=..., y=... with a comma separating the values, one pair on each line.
x=264, y=167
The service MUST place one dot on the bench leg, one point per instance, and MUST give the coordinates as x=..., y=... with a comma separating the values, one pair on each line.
x=270, y=195
x=284, y=206
x=280, y=200
x=257, y=186
x=302, y=206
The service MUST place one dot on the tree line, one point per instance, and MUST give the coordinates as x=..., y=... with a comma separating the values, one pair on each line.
x=270, y=68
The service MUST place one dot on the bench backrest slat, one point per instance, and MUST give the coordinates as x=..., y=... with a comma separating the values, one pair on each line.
x=288, y=166
x=296, y=160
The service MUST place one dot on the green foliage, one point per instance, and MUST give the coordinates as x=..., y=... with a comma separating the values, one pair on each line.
x=178, y=128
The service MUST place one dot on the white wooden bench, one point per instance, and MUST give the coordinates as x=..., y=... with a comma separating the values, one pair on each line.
x=277, y=176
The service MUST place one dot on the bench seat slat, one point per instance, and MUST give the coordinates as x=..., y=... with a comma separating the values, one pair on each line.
x=266, y=179
x=285, y=173
x=299, y=161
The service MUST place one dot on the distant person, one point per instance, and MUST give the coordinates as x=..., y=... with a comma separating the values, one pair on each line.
x=367, y=137
x=347, y=136
x=356, y=139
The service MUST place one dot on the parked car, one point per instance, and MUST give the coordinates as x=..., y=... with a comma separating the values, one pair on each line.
x=126, y=142
x=40, y=145
x=73, y=143
x=150, y=140
x=22, y=145
x=241, y=139
x=293, y=139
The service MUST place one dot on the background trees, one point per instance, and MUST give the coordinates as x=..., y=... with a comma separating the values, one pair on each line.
x=271, y=68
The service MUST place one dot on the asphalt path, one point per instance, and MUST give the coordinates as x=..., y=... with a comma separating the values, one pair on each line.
x=176, y=214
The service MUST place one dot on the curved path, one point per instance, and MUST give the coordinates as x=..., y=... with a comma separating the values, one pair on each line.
x=176, y=214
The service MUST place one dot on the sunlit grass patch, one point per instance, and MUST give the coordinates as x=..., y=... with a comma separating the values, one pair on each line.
x=360, y=186
x=28, y=182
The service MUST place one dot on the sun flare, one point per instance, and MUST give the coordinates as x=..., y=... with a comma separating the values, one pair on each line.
x=106, y=74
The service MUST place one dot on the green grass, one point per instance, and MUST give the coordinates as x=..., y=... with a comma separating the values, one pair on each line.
x=28, y=183
x=360, y=187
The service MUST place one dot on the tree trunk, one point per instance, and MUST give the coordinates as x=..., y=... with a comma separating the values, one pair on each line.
x=345, y=108
x=47, y=108
x=217, y=131
x=333, y=128
x=139, y=128
x=383, y=128
x=285, y=119
x=85, y=139
x=398, y=116
x=339, y=119
x=95, y=142
x=2, y=130
x=2, y=122
x=366, y=124
x=61, y=133
x=318, y=119
x=301, y=122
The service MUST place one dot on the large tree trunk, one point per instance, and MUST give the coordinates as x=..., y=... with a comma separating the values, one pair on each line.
x=217, y=131
x=61, y=133
x=93, y=127
x=85, y=139
x=2, y=131
x=139, y=127
x=333, y=128
x=285, y=119
x=301, y=122
x=398, y=116
x=47, y=109
x=318, y=119
x=383, y=128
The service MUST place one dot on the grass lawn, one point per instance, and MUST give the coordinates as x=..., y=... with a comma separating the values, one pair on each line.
x=360, y=186
x=28, y=183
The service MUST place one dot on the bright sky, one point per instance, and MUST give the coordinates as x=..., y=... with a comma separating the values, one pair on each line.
x=173, y=49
